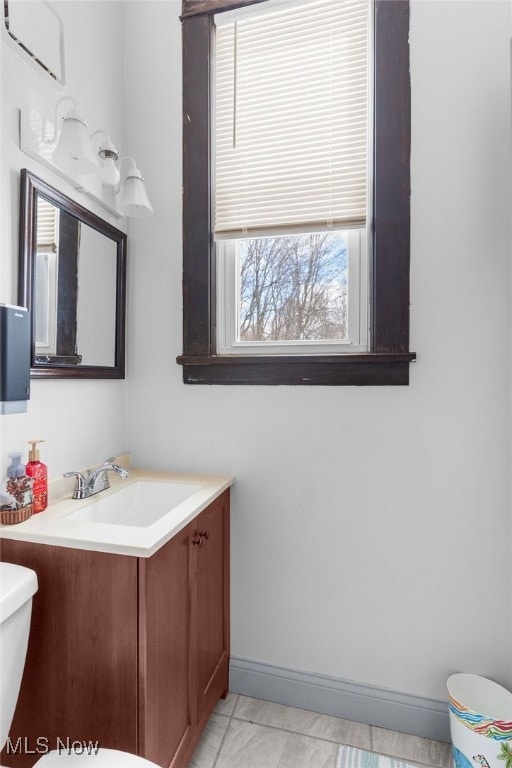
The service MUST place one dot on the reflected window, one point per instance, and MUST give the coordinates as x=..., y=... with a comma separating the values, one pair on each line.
x=45, y=285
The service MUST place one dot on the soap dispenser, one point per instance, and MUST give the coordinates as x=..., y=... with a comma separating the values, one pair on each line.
x=19, y=488
x=39, y=473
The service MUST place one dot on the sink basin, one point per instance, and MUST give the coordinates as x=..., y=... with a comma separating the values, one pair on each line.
x=139, y=504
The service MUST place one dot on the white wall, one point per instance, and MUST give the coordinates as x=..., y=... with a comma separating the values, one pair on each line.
x=371, y=526
x=82, y=422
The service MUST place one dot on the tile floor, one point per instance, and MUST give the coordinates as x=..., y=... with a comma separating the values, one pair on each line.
x=249, y=733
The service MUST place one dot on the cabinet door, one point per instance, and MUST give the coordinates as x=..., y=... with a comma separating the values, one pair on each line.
x=211, y=535
x=166, y=705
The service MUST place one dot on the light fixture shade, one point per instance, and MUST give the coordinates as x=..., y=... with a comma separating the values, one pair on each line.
x=110, y=172
x=108, y=155
x=74, y=153
x=134, y=198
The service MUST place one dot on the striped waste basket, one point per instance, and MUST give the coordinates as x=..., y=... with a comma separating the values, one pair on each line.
x=480, y=722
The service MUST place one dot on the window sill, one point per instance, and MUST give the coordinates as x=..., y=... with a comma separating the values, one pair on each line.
x=368, y=369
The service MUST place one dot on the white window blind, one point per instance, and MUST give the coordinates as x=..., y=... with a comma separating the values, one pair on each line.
x=47, y=223
x=291, y=93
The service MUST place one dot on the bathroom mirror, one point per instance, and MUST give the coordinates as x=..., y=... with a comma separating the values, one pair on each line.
x=73, y=280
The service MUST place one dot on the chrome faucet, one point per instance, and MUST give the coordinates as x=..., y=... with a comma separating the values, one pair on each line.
x=95, y=480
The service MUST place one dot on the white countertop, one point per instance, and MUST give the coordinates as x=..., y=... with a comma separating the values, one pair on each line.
x=53, y=527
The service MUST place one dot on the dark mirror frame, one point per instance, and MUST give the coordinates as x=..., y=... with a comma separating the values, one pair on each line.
x=32, y=186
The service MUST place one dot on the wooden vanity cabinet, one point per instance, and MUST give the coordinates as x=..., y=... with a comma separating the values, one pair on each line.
x=130, y=652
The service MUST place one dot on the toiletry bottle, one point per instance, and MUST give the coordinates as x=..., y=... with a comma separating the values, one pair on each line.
x=39, y=473
x=18, y=484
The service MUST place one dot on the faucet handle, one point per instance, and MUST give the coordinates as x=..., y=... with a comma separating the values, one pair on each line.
x=119, y=470
x=79, y=492
x=110, y=464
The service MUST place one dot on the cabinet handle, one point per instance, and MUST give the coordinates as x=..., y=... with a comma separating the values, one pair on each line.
x=205, y=535
x=199, y=541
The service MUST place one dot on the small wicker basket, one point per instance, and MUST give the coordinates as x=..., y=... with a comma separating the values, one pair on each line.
x=13, y=516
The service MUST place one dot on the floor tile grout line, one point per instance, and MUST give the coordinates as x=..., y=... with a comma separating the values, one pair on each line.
x=219, y=750
x=235, y=705
x=297, y=733
x=224, y=735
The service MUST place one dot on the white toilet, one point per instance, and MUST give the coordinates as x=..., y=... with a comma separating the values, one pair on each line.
x=17, y=587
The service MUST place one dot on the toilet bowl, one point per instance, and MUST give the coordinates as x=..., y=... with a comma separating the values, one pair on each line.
x=17, y=587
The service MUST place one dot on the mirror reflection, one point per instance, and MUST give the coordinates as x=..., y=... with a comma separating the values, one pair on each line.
x=74, y=281
x=72, y=277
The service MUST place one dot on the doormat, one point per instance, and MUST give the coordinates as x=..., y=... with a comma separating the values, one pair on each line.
x=351, y=757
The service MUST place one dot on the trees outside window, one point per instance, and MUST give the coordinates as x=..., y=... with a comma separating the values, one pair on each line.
x=294, y=288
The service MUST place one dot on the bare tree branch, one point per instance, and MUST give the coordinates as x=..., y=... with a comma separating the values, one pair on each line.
x=294, y=288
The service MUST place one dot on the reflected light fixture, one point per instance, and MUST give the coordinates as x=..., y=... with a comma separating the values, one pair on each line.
x=109, y=155
x=134, y=199
x=73, y=152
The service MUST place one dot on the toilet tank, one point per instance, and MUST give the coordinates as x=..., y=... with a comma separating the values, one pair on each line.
x=17, y=586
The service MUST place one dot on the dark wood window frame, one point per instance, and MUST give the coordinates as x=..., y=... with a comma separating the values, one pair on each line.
x=387, y=362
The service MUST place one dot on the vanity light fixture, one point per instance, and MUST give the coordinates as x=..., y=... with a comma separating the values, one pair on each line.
x=109, y=156
x=91, y=168
x=134, y=200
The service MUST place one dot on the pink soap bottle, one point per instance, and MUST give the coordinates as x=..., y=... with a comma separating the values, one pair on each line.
x=39, y=474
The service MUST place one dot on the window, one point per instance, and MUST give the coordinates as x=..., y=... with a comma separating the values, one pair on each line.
x=303, y=277
x=290, y=121
x=45, y=287
x=292, y=293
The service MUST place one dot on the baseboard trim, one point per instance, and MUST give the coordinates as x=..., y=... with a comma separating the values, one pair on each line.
x=382, y=707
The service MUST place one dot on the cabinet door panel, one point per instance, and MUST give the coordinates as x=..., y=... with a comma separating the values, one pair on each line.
x=166, y=707
x=212, y=569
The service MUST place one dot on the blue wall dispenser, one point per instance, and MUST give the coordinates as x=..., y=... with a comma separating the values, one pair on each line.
x=15, y=354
